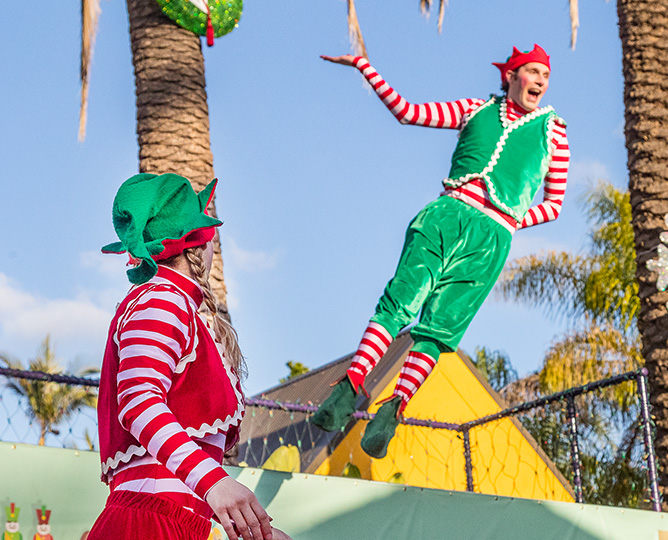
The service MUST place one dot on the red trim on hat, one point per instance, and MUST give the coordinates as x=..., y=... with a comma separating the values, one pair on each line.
x=211, y=195
x=174, y=246
x=518, y=59
x=195, y=238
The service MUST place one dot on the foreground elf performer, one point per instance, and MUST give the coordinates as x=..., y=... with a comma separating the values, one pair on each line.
x=170, y=401
x=456, y=247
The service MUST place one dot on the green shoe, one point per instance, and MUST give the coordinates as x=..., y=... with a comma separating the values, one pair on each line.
x=336, y=411
x=381, y=429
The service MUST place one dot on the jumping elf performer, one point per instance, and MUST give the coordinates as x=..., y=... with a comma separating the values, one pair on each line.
x=170, y=401
x=457, y=245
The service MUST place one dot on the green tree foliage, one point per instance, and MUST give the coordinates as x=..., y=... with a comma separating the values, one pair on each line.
x=599, y=286
x=597, y=294
x=296, y=369
x=49, y=403
x=495, y=366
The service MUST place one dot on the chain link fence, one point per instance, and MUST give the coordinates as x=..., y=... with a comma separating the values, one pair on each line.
x=566, y=427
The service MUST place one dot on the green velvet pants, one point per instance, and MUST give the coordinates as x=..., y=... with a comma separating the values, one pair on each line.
x=452, y=256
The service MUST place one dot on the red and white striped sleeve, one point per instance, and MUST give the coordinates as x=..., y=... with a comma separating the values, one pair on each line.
x=555, y=182
x=152, y=339
x=433, y=114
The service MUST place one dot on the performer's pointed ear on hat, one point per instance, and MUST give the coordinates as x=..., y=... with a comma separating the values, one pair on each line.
x=456, y=247
x=170, y=402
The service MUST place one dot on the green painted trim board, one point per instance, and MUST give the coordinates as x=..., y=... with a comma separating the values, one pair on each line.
x=311, y=507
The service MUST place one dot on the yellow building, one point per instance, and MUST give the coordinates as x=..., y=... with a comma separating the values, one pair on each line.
x=505, y=459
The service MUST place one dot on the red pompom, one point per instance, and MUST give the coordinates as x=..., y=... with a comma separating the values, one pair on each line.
x=209, y=31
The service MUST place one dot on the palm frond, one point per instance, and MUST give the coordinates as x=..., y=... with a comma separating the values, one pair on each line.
x=609, y=211
x=630, y=440
x=590, y=354
x=612, y=290
x=14, y=387
x=554, y=282
x=11, y=363
x=425, y=9
x=441, y=14
x=495, y=366
x=12, y=384
x=575, y=21
x=600, y=285
x=90, y=12
x=49, y=402
x=522, y=390
x=85, y=372
x=90, y=443
x=355, y=32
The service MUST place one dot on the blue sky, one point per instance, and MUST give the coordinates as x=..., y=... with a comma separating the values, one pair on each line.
x=317, y=179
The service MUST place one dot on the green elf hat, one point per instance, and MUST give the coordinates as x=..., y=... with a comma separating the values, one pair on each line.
x=157, y=217
x=12, y=512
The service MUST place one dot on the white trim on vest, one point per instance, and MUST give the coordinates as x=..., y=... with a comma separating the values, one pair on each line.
x=218, y=425
x=508, y=128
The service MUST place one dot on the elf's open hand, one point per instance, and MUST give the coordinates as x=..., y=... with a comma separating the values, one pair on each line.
x=345, y=60
x=237, y=508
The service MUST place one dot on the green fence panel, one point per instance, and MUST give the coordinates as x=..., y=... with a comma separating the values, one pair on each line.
x=310, y=507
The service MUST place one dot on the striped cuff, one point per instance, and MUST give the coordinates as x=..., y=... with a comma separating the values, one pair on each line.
x=209, y=480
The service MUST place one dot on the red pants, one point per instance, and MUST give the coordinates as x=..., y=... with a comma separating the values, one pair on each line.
x=140, y=516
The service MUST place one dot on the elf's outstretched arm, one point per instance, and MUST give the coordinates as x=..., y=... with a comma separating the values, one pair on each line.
x=555, y=182
x=433, y=114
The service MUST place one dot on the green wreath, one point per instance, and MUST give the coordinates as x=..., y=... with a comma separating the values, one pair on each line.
x=218, y=16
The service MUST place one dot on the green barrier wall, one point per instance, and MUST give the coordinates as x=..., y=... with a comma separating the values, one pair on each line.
x=311, y=507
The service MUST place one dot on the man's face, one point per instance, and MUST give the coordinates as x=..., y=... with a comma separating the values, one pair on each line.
x=527, y=85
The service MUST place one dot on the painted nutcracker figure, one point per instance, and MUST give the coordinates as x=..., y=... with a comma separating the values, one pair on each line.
x=12, y=524
x=456, y=247
x=43, y=527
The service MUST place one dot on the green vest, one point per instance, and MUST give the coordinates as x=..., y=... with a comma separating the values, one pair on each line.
x=512, y=158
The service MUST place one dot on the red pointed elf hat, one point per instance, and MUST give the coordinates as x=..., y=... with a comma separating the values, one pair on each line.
x=519, y=58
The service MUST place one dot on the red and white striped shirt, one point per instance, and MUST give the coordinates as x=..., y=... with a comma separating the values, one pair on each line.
x=155, y=341
x=454, y=115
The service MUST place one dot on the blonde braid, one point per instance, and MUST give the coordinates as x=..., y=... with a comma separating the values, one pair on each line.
x=223, y=330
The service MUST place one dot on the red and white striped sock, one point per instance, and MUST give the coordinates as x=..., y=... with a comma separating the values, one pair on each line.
x=375, y=342
x=415, y=370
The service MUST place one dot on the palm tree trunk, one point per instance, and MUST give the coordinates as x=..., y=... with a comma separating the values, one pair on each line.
x=643, y=29
x=172, y=110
